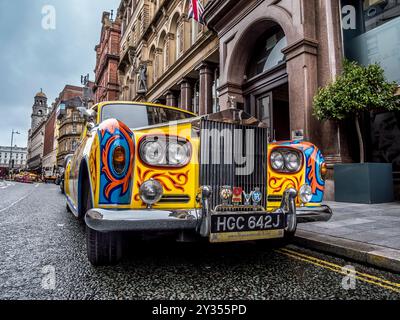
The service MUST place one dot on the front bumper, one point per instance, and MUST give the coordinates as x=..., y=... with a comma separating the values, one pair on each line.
x=105, y=220
x=142, y=220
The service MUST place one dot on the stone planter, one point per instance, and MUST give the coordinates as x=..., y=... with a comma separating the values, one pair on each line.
x=364, y=183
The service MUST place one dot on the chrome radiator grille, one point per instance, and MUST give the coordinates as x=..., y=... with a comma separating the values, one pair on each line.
x=224, y=147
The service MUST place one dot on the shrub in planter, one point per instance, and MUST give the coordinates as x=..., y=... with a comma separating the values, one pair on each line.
x=357, y=90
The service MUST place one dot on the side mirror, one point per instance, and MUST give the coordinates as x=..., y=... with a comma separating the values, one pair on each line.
x=67, y=159
x=90, y=117
x=88, y=114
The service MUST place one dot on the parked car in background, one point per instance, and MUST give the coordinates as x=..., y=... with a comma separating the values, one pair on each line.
x=149, y=168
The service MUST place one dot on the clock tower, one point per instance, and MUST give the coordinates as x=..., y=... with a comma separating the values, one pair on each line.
x=39, y=109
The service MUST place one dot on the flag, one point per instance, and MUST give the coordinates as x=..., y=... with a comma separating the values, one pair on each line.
x=196, y=11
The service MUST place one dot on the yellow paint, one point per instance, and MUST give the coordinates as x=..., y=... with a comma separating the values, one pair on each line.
x=182, y=181
x=383, y=283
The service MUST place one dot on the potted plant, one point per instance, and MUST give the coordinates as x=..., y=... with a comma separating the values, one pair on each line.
x=358, y=90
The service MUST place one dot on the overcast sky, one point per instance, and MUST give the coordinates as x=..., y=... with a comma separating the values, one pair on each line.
x=32, y=57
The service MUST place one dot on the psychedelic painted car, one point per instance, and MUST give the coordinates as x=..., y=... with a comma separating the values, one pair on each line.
x=150, y=169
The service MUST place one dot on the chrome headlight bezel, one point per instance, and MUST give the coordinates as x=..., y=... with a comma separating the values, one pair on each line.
x=292, y=161
x=305, y=193
x=277, y=160
x=286, y=153
x=167, y=146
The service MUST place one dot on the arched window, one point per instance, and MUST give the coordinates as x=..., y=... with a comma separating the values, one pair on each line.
x=165, y=63
x=194, y=32
x=178, y=41
x=174, y=40
x=267, y=52
x=152, y=67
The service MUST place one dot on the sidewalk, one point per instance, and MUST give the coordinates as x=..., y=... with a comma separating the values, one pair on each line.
x=365, y=233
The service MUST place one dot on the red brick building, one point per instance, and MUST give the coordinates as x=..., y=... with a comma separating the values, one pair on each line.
x=106, y=86
x=49, y=164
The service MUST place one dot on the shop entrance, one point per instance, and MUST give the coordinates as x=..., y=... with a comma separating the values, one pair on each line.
x=265, y=86
x=272, y=108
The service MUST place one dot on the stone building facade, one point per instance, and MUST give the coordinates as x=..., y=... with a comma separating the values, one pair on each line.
x=69, y=121
x=166, y=57
x=19, y=155
x=36, y=133
x=106, y=86
x=49, y=163
x=35, y=148
x=274, y=55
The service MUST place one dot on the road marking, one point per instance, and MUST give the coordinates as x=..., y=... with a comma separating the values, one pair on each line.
x=15, y=202
x=383, y=283
x=6, y=184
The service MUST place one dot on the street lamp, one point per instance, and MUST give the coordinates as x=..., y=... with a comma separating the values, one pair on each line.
x=11, y=150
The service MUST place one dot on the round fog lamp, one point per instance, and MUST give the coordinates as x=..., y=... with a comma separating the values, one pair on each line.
x=151, y=192
x=305, y=193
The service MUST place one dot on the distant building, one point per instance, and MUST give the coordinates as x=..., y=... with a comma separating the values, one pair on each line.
x=49, y=163
x=19, y=156
x=39, y=109
x=106, y=86
x=36, y=133
x=69, y=122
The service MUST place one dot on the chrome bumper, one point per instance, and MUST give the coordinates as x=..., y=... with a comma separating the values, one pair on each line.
x=105, y=220
x=142, y=220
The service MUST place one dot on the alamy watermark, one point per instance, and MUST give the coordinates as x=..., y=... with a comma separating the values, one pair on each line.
x=349, y=280
x=49, y=17
x=349, y=17
x=49, y=277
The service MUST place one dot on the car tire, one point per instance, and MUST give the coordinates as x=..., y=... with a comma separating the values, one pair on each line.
x=103, y=248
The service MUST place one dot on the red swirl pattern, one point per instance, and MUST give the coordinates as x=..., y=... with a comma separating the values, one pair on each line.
x=168, y=180
x=277, y=184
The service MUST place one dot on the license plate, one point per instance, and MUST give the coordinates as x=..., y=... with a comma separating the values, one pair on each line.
x=243, y=227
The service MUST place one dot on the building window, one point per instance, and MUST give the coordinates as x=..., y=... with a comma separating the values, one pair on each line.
x=374, y=35
x=75, y=116
x=268, y=52
x=74, y=128
x=196, y=99
x=73, y=145
x=177, y=44
x=195, y=32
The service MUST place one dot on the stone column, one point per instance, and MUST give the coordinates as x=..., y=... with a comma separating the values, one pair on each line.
x=171, y=99
x=205, y=89
x=186, y=95
x=301, y=58
x=302, y=68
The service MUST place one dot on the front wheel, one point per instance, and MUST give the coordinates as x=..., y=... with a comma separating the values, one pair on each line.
x=103, y=248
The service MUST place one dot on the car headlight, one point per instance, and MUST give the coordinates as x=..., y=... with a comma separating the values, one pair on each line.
x=305, y=193
x=178, y=154
x=165, y=151
x=277, y=160
x=151, y=191
x=292, y=161
x=286, y=160
x=153, y=153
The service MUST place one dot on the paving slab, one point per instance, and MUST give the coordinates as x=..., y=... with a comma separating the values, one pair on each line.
x=361, y=232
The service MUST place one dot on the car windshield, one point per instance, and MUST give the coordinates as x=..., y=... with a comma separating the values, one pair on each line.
x=137, y=116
